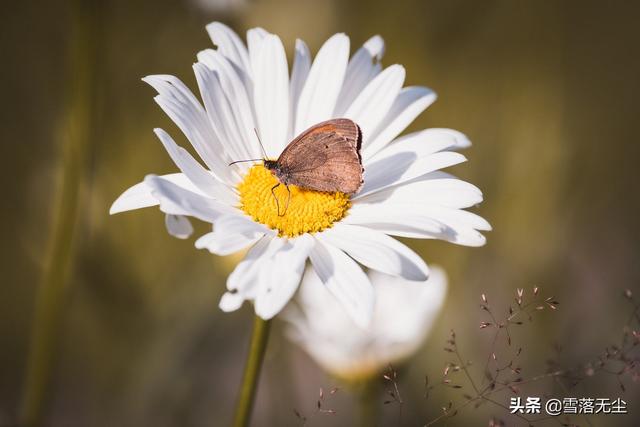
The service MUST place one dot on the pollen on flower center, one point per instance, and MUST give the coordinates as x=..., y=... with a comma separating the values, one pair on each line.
x=308, y=211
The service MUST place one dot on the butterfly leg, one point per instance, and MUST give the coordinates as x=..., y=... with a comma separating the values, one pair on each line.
x=288, y=200
x=276, y=198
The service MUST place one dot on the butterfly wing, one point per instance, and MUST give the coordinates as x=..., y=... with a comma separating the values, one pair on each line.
x=325, y=157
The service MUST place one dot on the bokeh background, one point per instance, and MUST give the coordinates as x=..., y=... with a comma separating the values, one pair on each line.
x=547, y=91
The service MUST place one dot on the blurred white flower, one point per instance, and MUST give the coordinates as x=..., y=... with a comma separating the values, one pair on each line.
x=246, y=88
x=221, y=6
x=404, y=312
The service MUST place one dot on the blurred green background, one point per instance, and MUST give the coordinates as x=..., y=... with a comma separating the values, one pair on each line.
x=546, y=90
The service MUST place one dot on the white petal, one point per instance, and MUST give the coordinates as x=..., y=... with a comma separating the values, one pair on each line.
x=408, y=105
x=323, y=85
x=221, y=114
x=363, y=67
x=240, y=224
x=423, y=143
x=281, y=276
x=238, y=89
x=229, y=44
x=178, y=226
x=404, y=166
x=452, y=217
x=412, y=227
x=255, y=36
x=231, y=234
x=224, y=112
x=299, y=73
x=421, y=222
x=374, y=102
x=435, y=188
x=225, y=244
x=176, y=200
x=346, y=281
x=461, y=140
x=376, y=250
x=195, y=172
x=230, y=301
x=395, y=221
x=244, y=277
x=271, y=94
x=184, y=109
x=139, y=196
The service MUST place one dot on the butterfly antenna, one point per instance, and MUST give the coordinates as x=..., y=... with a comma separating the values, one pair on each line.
x=264, y=152
x=240, y=161
x=253, y=160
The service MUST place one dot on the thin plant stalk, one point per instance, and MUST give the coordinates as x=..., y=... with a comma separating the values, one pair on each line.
x=73, y=134
x=257, y=350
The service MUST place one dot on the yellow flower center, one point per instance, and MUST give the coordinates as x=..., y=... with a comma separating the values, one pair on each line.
x=306, y=211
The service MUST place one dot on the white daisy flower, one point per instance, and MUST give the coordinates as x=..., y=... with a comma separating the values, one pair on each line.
x=247, y=88
x=403, y=316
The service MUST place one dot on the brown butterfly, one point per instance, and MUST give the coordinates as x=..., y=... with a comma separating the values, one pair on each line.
x=325, y=157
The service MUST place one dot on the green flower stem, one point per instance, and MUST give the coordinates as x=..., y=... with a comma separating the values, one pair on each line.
x=50, y=299
x=257, y=350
